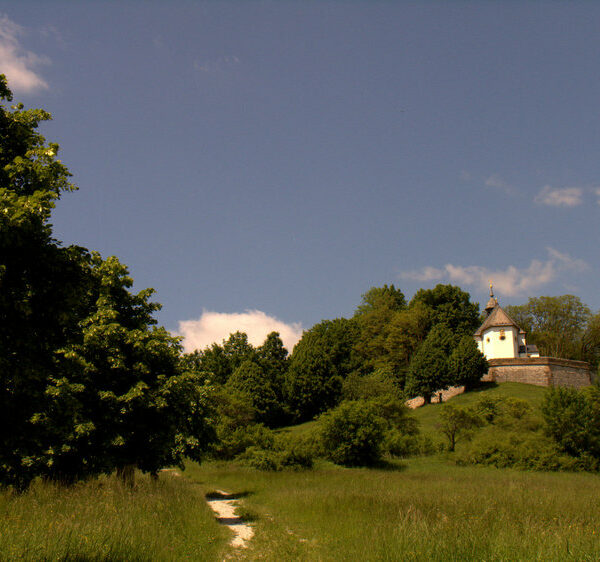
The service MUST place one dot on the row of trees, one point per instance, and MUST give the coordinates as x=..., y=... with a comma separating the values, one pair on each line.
x=420, y=347
x=88, y=382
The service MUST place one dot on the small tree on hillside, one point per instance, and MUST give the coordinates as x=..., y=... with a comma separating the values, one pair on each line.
x=457, y=424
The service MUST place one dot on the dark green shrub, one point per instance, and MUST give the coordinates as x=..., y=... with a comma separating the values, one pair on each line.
x=352, y=434
x=284, y=455
x=402, y=445
x=232, y=442
x=502, y=448
x=572, y=419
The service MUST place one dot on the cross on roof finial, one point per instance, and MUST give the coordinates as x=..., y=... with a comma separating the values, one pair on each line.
x=491, y=289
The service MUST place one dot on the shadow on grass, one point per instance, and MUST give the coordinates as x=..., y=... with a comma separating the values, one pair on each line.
x=219, y=495
x=390, y=466
x=483, y=386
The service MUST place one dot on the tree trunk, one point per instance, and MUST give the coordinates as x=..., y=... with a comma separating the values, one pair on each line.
x=127, y=474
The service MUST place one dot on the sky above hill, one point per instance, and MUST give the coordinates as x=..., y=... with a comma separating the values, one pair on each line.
x=262, y=164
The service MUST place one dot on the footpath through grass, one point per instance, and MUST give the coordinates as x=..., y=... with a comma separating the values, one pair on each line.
x=103, y=520
x=423, y=509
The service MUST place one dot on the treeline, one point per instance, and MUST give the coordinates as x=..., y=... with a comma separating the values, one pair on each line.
x=420, y=347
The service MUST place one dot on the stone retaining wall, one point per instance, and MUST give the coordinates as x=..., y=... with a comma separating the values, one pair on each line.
x=541, y=371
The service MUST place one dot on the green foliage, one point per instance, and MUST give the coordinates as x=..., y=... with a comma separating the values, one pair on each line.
x=378, y=298
x=251, y=380
x=44, y=289
x=466, y=363
x=286, y=453
x=353, y=434
x=572, y=419
x=378, y=383
x=235, y=441
x=428, y=371
x=497, y=447
x=403, y=445
x=451, y=306
x=557, y=325
x=322, y=358
x=87, y=382
x=136, y=406
x=457, y=424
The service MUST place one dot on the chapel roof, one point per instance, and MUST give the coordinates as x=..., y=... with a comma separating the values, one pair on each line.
x=497, y=317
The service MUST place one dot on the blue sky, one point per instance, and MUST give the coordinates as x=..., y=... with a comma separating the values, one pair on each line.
x=281, y=157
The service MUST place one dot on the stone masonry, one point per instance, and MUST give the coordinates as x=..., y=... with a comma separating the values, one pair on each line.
x=541, y=371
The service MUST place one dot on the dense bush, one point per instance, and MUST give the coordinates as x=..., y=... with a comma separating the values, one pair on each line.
x=284, y=454
x=572, y=419
x=402, y=445
x=503, y=448
x=353, y=433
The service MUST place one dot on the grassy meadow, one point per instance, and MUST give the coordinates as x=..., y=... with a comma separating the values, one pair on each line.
x=418, y=509
x=104, y=520
x=422, y=509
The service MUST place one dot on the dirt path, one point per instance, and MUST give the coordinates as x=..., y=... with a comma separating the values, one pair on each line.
x=224, y=505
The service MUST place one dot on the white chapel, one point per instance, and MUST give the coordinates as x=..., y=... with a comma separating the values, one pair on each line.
x=499, y=337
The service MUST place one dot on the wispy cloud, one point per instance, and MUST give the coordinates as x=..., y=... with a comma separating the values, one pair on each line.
x=496, y=182
x=217, y=65
x=18, y=64
x=597, y=192
x=511, y=281
x=214, y=327
x=560, y=196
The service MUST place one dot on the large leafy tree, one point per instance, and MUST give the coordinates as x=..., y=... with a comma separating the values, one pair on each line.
x=557, y=325
x=140, y=408
x=449, y=305
x=43, y=289
x=87, y=382
x=321, y=360
x=429, y=370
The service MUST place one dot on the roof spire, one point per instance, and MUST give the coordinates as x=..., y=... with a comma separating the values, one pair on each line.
x=493, y=302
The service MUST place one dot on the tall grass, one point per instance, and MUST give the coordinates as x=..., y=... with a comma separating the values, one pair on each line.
x=425, y=509
x=104, y=520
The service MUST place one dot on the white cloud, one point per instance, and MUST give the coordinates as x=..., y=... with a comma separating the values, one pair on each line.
x=511, y=281
x=497, y=182
x=560, y=196
x=18, y=64
x=214, y=327
x=425, y=274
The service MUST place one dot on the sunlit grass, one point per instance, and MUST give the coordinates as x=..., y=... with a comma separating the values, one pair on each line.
x=424, y=509
x=104, y=520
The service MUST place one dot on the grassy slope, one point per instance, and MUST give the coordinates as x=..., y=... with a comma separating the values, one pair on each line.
x=428, y=415
x=102, y=520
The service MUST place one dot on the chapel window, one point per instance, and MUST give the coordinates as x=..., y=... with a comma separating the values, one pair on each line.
x=502, y=335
